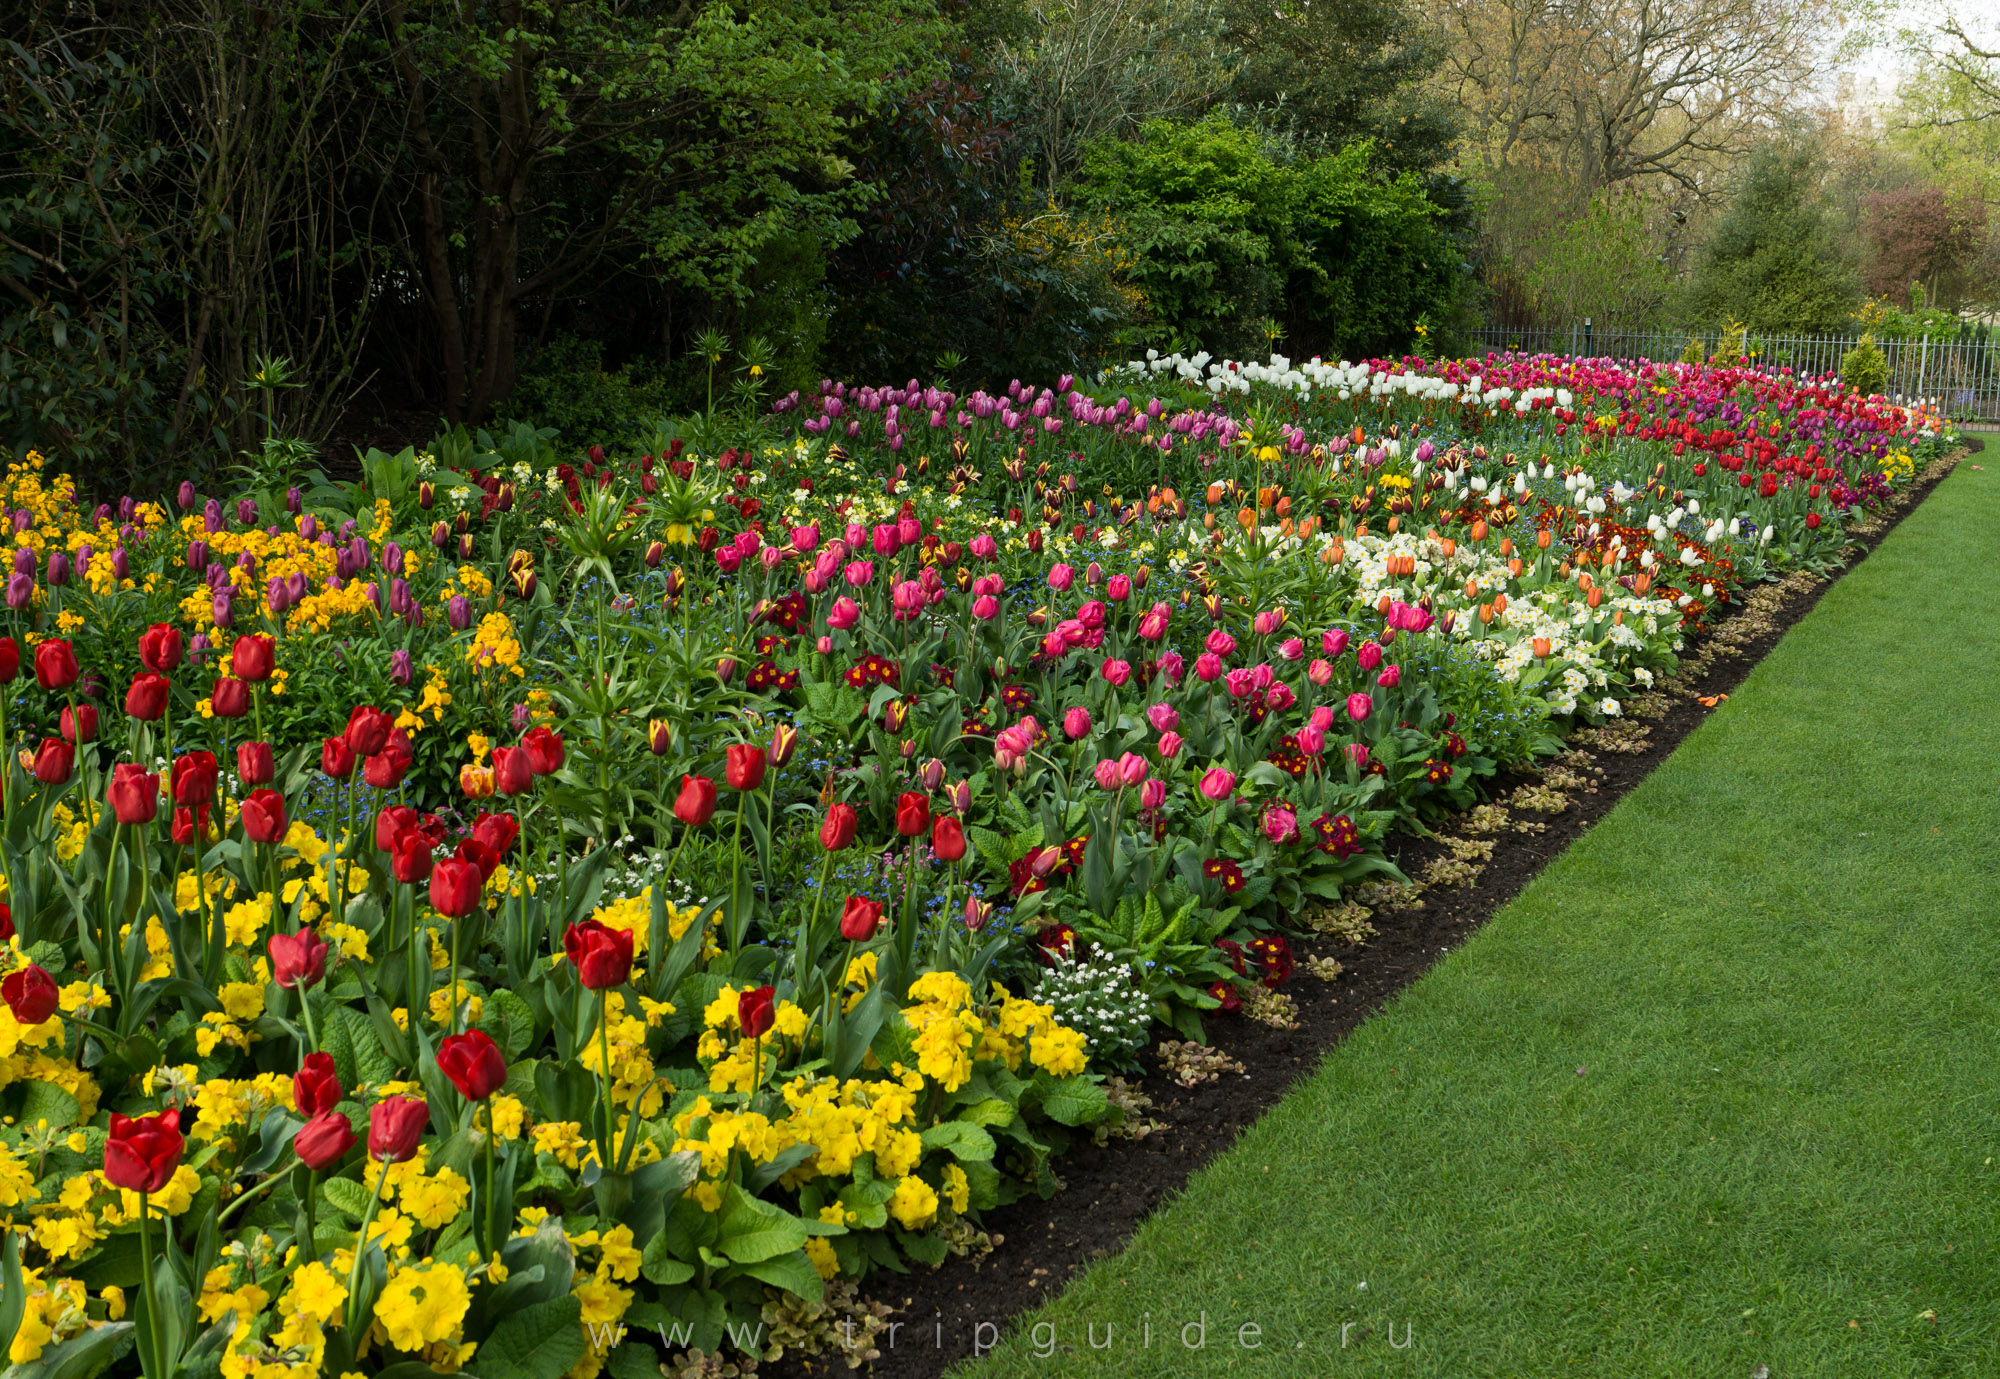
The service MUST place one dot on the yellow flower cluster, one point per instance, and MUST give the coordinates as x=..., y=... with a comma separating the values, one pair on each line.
x=495, y=644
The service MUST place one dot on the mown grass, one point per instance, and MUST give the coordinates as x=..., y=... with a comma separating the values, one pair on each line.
x=1718, y=1091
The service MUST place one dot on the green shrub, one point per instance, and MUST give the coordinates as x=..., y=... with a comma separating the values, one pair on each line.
x=1864, y=367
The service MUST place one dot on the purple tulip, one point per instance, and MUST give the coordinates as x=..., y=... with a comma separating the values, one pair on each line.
x=20, y=590
x=211, y=515
x=101, y=516
x=121, y=564
x=219, y=606
x=522, y=717
x=399, y=596
x=294, y=500
x=274, y=596
x=392, y=558
x=400, y=670
x=186, y=495
x=24, y=560
x=347, y=531
x=197, y=556
x=246, y=511
x=309, y=528
x=296, y=587
x=200, y=646
x=459, y=613
x=58, y=569
x=22, y=519
x=126, y=507
x=413, y=616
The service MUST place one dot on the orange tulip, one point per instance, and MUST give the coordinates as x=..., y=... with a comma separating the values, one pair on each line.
x=1541, y=648
x=1514, y=567
x=1479, y=529
x=1285, y=506
x=1215, y=493
x=1246, y=519
x=1643, y=583
x=1542, y=540
x=1394, y=522
x=1594, y=597
x=1618, y=618
x=1506, y=545
x=1472, y=588
x=1499, y=603
x=1486, y=612
x=1450, y=548
x=1382, y=605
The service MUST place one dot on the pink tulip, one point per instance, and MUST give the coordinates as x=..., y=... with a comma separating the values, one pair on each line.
x=1118, y=589
x=1170, y=746
x=1061, y=577
x=1279, y=696
x=1322, y=718
x=1092, y=614
x=1333, y=642
x=1357, y=753
x=1220, y=643
x=855, y=536
x=1055, y=645
x=986, y=608
x=1117, y=672
x=1320, y=672
x=825, y=646
x=1292, y=649
x=1171, y=666
x=805, y=539
x=988, y=584
x=1163, y=716
x=844, y=614
x=985, y=547
x=885, y=541
x=1107, y=775
x=907, y=599
x=1153, y=626
x=909, y=531
x=1076, y=723
x=1359, y=706
x=1311, y=740
x=1370, y=655
x=1390, y=678
x=728, y=559
x=771, y=557
x=1132, y=768
x=1261, y=676
x=1152, y=794
x=1242, y=683
x=1207, y=667
x=1217, y=784
x=859, y=573
x=1281, y=825
x=1268, y=622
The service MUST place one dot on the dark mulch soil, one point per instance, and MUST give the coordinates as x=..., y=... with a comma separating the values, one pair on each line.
x=1109, y=1190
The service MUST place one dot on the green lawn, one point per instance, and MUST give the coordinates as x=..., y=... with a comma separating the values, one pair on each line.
x=1718, y=1091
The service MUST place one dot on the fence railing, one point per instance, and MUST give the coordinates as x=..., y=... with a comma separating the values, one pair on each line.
x=1961, y=373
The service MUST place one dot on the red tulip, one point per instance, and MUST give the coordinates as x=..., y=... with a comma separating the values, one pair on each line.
x=480, y=856
x=511, y=773
x=183, y=829
x=913, y=813
x=839, y=827
x=146, y=700
x=160, y=648
x=395, y=1128
x=391, y=824
x=336, y=758
x=386, y=769
x=10, y=660
x=55, y=665
x=54, y=761
x=134, y=793
x=230, y=698
x=264, y=816
x=696, y=804
x=754, y=1011
x=544, y=749
x=324, y=1140
x=251, y=658
x=253, y=763
x=948, y=839
x=298, y=960
x=474, y=1064
x=859, y=918
x=601, y=955
x=367, y=730
x=411, y=856
x=79, y=724
x=31, y=994
x=745, y=766
x=194, y=779
x=142, y=1152
x=6, y=922
x=499, y=832
x=455, y=887
x=316, y=1085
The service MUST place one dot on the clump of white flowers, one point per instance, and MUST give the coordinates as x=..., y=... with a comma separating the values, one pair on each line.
x=1095, y=993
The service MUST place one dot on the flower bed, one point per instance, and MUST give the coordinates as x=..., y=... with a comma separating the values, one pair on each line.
x=510, y=903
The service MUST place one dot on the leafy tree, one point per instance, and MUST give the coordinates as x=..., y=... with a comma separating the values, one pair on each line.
x=1772, y=261
x=1918, y=236
x=1333, y=74
x=1603, y=265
